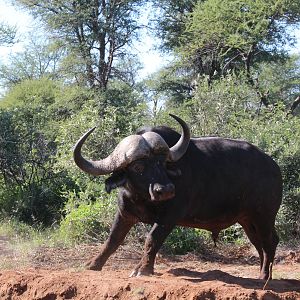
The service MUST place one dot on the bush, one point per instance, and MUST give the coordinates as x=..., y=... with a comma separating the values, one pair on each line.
x=31, y=93
x=87, y=220
x=183, y=240
x=233, y=234
x=29, y=185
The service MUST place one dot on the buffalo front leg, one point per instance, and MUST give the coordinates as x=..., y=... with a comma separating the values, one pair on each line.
x=154, y=241
x=119, y=230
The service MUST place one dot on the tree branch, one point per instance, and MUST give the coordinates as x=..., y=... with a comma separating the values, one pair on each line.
x=295, y=104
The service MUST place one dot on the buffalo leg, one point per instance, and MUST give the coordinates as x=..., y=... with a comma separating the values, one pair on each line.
x=265, y=239
x=253, y=236
x=269, y=244
x=120, y=228
x=154, y=241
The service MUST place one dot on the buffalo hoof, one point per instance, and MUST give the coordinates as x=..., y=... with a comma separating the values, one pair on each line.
x=265, y=276
x=93, y=266
x=141, y=272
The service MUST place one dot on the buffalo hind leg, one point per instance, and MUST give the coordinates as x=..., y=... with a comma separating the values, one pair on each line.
x=254, y=238
x=269, y=244
x=265, y=240
x=119, y=230
x=154, y=241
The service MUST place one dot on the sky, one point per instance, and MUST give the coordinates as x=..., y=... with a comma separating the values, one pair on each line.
x=14, y=17
x=150, y=58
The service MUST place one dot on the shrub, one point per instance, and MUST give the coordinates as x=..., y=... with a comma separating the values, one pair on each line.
x=29, y=186
x=183, y=240
x=87, y=220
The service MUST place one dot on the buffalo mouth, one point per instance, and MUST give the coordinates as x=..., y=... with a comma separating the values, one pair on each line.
x=159, y=192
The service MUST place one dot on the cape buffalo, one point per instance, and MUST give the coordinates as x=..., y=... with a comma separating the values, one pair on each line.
x=165, y=180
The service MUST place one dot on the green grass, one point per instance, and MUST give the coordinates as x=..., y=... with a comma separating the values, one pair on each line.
x=19, y=240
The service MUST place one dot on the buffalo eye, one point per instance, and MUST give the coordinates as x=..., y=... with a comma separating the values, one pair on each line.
x=137, y=167
x=173, y=171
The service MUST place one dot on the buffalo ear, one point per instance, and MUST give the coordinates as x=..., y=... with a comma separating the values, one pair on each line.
x=115, y=180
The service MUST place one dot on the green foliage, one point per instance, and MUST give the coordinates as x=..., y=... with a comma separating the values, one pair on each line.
x=224, y=26
x=30, y=185
x=39, y=58
x=280, y=78
x=225, y=36
x=183, y=240
x=129, y=106
x=87, y=220
x=234, y=234
x=210, y=110
x=31, y=93
x=30, y=189
x=12, y=228
x=168, y=87
x=169, y=20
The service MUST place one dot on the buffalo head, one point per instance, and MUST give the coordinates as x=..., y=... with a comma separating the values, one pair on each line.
x=139, y=163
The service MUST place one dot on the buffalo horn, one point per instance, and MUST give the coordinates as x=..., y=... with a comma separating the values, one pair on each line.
x=95, y=168
x=178, y=150
x=129, y=149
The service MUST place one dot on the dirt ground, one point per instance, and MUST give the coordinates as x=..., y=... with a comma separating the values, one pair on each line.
x=217, y=273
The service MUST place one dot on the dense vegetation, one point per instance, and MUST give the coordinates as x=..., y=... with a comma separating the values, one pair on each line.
x=231, y=76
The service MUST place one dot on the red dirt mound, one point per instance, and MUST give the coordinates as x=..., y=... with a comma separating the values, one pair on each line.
x=217, y=274
x=174, y=283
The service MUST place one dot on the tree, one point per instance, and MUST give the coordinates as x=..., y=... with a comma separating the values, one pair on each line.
x=31, y=93
x=40, y=58
x=233, y=35
x=29, y=186
x=32, y=115
x=169, y=24
x=95, y=33
x=281, y=79
x=169, y=87
x=7, y=34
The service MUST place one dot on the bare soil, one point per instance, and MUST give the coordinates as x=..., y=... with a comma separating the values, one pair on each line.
x=226, y=272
